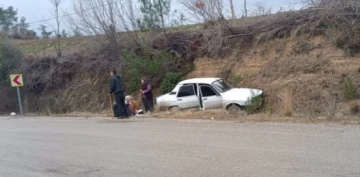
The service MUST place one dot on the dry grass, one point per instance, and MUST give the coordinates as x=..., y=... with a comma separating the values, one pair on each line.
x=217, y=114
x=287, y=55
x=40, y=48
x=222, y=115
x=287, y=102
x=294, y=83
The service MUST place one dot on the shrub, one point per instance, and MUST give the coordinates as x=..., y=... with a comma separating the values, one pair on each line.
x=235, y=80
x=253, y=103
x=287, y=102
x=355, y=109
x=10, y=59
x=288, y=113
x=303, y=47
x=342, y=40
x=229, y=77
x=224, y=73
x=350, y=91
x=169, y=82
x=349, y=41
x=151, y=66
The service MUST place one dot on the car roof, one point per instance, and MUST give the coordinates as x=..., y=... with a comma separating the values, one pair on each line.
x=199, y=80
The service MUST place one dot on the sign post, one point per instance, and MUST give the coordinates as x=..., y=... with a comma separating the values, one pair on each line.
x=17, y=81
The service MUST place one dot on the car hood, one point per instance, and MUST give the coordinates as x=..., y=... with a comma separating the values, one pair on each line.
x=241, y=94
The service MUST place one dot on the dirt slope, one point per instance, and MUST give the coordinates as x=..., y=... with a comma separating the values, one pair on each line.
x=290, y=56
x=299, y=75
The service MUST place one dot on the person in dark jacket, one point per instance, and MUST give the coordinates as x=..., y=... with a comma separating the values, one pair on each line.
x=147, y=95
x=117, y=87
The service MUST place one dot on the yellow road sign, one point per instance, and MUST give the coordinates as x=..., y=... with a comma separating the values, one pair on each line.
x=16, y=80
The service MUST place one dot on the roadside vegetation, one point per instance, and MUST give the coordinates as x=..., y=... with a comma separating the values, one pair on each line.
x=67, y=71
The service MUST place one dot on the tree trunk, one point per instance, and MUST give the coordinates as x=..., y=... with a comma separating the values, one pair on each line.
x=162, y=17
x=232, y=10
x=58, y=31
x=57, y=42
x=132, y=14
x=245, y=9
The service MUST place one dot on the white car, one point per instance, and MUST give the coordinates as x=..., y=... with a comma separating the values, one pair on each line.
x=207, y=93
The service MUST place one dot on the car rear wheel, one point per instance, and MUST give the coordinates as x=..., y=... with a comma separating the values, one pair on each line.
x=174, y=109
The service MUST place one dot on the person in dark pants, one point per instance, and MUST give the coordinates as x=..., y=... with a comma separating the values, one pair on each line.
x=147, y=95
x=117, y=87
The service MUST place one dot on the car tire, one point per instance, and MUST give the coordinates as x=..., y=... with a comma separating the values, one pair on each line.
x=235, y=109
x=174, y=109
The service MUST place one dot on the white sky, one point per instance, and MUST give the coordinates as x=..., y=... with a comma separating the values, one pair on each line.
x=36, y=10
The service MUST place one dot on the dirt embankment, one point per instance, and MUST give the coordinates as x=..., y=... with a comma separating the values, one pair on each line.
x=291, y=56
x=303, y=83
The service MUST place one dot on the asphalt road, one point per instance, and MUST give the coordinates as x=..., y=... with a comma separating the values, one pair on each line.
x=43, y=147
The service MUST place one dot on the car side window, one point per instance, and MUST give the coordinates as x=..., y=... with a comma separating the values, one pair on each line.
x=186, y=90
x=207, y=91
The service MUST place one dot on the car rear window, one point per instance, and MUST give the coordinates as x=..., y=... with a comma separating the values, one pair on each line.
x=186, y=90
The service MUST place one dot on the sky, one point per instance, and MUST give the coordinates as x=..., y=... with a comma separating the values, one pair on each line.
x=37, y=10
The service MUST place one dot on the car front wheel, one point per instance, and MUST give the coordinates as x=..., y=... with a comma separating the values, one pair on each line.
x=234, y=109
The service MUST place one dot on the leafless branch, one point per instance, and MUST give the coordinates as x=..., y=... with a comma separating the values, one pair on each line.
x=108, y=20
x=205, y=10
x=261, y=9
x=57, y=45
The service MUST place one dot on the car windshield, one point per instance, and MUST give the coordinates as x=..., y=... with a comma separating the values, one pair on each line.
x=221, y=86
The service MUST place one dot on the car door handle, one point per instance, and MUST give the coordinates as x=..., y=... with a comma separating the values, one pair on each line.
x=205, y=99
x=179, y=99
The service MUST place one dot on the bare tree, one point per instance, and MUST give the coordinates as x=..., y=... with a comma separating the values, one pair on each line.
x=261, y=9
x=205, y=10
x=162, y=14
x=245, y=9
x=56, y=4
x=233, y=15
x=308, y=3
x=210, y=12
x=131, y=9
x=344, y=11
x=325, y=3
x=107, y=20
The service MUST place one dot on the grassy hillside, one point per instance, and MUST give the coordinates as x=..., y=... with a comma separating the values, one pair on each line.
x=309, y=82
x=72, y=45
x=305, y=65
x=39, y=48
